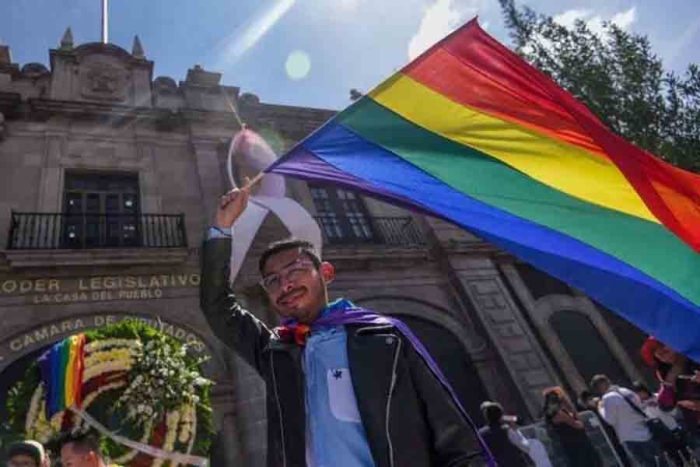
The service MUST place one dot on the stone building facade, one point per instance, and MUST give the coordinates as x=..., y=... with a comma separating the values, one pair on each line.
x=108, y=177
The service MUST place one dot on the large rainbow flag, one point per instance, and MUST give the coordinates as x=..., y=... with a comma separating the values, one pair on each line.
x=469, y=132
x=61, y=368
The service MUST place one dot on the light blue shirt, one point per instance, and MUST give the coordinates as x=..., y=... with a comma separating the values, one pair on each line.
x=335, y=434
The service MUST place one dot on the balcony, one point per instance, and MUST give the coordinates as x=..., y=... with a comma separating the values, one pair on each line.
x=51, y=231
x=399, y=232
x=59, y=239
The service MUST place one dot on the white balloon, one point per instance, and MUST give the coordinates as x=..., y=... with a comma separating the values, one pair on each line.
x=270, y=197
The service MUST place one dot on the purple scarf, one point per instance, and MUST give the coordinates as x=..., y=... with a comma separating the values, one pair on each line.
x=337, y=316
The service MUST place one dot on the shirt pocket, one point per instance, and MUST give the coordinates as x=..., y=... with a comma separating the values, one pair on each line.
x=341, y=395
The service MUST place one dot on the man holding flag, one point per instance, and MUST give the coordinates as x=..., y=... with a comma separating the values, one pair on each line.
x=345, y=386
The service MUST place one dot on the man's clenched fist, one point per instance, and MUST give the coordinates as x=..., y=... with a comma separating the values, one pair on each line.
x=230, y=208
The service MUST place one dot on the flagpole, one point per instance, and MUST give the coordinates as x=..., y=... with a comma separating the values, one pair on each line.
x=250, y=183
x=104, y=21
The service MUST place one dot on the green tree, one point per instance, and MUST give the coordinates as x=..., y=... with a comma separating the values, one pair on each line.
x=617, y=75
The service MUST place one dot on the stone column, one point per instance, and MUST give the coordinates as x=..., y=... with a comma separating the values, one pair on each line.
x=209, y=172
x=151, y=197
x=509, y=333
x=51, y=191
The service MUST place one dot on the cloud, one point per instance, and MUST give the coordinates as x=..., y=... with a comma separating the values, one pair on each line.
x=623, y=19
x=237, y=44
x=568, y=18
x=440, y=19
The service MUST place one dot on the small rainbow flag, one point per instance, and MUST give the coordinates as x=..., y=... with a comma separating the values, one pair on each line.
x=61, y=369
x=471, y=133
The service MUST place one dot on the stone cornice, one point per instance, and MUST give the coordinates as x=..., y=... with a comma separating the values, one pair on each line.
x=211, y=117
x=23, y=259
x=43, y=109
x=272, y=110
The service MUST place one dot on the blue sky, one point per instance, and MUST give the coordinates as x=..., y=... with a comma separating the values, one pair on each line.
x=312, y=52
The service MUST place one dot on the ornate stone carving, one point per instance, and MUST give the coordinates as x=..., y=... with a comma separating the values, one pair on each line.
x=102, y=81
x=165, y=84
x=137, y=49
x=34, y=70
x=5, y=55
x=67, y=40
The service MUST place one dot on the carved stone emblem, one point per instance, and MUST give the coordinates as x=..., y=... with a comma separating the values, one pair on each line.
x=102, y=81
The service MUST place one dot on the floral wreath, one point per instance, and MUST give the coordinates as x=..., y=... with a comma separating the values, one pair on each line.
x=138, y=382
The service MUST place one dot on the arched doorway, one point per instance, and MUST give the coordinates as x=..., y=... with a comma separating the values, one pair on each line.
x=586, y=347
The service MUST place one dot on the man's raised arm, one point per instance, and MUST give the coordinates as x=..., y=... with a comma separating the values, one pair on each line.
x=234, y=326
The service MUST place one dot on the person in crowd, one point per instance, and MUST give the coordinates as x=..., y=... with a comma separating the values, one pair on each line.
x=27, y=453
x=680, y=383
x=677, y=444
x=345, y=386
x=680, y=387
x=589, y=401
x=508, y=446
x=81, y=450
x=616, y=407
x=561, y=416
x=650, y=404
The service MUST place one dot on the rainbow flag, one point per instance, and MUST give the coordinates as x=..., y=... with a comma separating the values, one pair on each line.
x=469, y=132
x=61, y=369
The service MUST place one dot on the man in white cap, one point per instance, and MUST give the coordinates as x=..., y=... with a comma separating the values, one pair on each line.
x=27, y=453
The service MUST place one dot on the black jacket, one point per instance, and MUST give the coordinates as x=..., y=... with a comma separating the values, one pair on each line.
x=408, y=416
x=505, y=452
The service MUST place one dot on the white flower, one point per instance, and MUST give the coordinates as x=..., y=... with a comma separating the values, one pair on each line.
x=199, y=381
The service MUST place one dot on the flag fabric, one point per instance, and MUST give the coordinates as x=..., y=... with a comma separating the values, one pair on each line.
x=470, y=133
x=61, y=368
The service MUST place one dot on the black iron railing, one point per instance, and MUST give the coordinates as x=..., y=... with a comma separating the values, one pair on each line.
x=395, y=231
x=43, y=231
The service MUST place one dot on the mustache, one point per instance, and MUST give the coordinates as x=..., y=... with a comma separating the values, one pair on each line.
x=291, y=292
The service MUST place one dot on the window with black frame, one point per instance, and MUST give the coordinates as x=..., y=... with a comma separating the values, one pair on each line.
x=100, y=210
x=342, y=215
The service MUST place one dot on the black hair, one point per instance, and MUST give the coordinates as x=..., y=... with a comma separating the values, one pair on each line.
x=598, y=379
x=303, y=246
x=82, y=442
x=638, y=386
x=493, y=412
x=585, y=395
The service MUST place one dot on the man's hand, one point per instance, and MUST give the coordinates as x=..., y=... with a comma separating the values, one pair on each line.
x=230, y=208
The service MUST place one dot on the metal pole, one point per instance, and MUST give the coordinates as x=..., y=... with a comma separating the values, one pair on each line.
x=104, y=22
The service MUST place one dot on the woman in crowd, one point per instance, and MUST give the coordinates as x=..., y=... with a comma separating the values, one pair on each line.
x=560, y=414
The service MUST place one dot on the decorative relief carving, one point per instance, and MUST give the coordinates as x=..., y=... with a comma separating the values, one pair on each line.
x=491, y=300
x=517, y=347
x=103, y=81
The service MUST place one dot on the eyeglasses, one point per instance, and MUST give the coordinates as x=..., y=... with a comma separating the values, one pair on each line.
x=300, y=267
